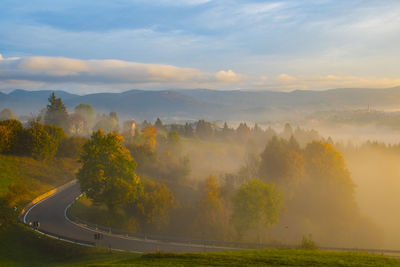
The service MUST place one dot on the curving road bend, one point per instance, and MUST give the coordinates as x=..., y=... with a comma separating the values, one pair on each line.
x=50, y=212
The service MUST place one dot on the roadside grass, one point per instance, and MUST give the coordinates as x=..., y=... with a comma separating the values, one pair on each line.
x=269, y=257
x=38, y=176
x=20, y=246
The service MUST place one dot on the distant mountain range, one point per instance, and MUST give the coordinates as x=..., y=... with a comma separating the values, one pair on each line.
x=181, y=105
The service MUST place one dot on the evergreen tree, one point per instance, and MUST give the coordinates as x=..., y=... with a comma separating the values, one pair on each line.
x=188, y=130
x=158, y=124
x=56, y=113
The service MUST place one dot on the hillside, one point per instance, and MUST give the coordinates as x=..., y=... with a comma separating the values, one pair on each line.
x=37, y=176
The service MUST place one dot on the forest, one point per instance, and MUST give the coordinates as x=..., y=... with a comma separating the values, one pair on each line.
x=200, y=180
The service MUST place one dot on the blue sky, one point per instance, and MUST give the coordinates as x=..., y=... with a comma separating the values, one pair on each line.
x=88, y=46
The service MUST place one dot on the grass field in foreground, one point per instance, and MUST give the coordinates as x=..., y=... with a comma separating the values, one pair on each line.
x=22, y=247
x=270, y=257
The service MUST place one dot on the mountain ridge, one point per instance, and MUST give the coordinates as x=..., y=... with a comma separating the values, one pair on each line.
x=206, y=103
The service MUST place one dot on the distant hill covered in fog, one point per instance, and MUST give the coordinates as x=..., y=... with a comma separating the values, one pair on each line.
x=209, y=104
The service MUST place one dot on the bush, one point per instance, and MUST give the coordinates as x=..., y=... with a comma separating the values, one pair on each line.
x=308, y=243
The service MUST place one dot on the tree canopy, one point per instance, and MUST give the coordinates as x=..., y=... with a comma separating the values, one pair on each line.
x=107, y=175
x=256, y=205
x=7, y=114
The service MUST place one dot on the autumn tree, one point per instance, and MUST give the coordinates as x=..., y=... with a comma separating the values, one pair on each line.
x=56, y=113
x=213, y=219
x=10, y=136
x=256, y=206
x=152, y=208
x=282, y=162
x=107, y=175
x=330, y=181
x=42, y=141
x=7, y=114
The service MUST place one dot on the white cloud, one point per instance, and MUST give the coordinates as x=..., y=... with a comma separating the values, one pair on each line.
x=228, y=76
x=1, y=57
x=285, y=78
x=53, y=66
x=285, y=82
x=55, y=70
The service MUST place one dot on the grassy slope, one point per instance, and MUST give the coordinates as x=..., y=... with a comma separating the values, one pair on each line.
x=22, y=247
x=38, y=176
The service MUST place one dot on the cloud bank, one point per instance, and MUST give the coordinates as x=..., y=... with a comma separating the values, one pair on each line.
x=84, y=76
x=68, y=70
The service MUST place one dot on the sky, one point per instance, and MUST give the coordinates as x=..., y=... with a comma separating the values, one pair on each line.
x=111, y=46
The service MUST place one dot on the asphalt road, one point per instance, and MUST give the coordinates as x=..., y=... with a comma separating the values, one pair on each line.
x=51, y=215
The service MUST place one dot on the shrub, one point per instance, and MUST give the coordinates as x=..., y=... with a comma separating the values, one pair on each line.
x=308, y=243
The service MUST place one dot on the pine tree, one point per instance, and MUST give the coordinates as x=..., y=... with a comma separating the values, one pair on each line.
x=56, y=113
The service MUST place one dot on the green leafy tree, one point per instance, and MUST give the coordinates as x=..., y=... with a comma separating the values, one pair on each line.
x=107, y=175
x=56, y=113
x=86, y=111
x=78, y=125
x=42, y=140
x=107, y=123
x=256, y=206
x=282, y=163
x=172, y=143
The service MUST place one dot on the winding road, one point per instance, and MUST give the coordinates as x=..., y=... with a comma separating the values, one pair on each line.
x=51, y=213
